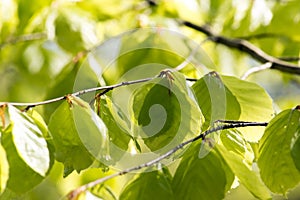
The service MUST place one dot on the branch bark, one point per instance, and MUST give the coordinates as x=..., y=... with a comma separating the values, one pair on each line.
x=248, y=48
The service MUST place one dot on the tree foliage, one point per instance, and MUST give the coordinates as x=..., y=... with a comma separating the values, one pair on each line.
x=93, y=90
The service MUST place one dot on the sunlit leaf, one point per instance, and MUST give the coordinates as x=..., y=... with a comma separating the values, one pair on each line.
x=238, y=155
x=226, y=97
x=215, y=100
x=165, y=112
x=27, y=10
x=78, y=135
x=276, y=163
x=4, y=169
x=295, y=146
x=29, y=141
x=204, y=178
x=208, y=143
x=148, y=185
x=68, y=36
x=117, y=133
x=102, y=192
x=27, y=152
x=63, y=85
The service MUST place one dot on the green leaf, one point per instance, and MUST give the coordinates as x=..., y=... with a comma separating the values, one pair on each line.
x=27, y=10
x=29, y=141
x=239, y=156
x=118, y=134
x=229, y=98
x=4, y=169
x=215, y=99
x=68, y=37
x=74, y=30
x=164, y=112
x=79, y=135
x=63, y=84
x=295, y=146
x=102, y=192
x=148, y=185
x=204, y=178
x=276, y=163
x=27, y=152
x=39, y=121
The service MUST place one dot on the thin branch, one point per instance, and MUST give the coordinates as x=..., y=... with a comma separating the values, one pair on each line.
x=74, y=194
x=24, y=38
x=256, y=69
x=81, y=92
x=261, y=36
x=192, y=79
x=248, y=48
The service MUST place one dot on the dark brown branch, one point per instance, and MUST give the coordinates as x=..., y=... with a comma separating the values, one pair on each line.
x=228, y=125
x=290, y=58
x=262, y=36
x=248, y=48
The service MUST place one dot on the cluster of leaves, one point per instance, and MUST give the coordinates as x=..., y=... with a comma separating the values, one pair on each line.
x=47, y=41
x=29, y=145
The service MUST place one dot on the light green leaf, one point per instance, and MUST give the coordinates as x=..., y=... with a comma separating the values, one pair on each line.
x=276, y=163
x=64, y=83
x=204, y=178
x=75, y=32
x=28, y=150
x=239, y=156
x=165, y=112
x=234, y=141
x=4, y=169
x=79, y=135
x=29, y=141
x=27, y=10
x=148, y=185
x=295, y=146
x=101, y=192
x=19, y=171
x=117, y=133
x=233, y=99
x=66, y=35
x=39, y=121
x=215, y=100
x=253, y=99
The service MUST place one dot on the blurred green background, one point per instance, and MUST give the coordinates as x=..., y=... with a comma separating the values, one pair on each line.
x=43, y=44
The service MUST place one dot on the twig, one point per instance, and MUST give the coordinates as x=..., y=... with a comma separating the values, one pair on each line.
x=81, y=92
x=261, y=36
x=248, y=48
x=192, y=79
x=24, y=38
x=74, y=194
x=256, y=69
